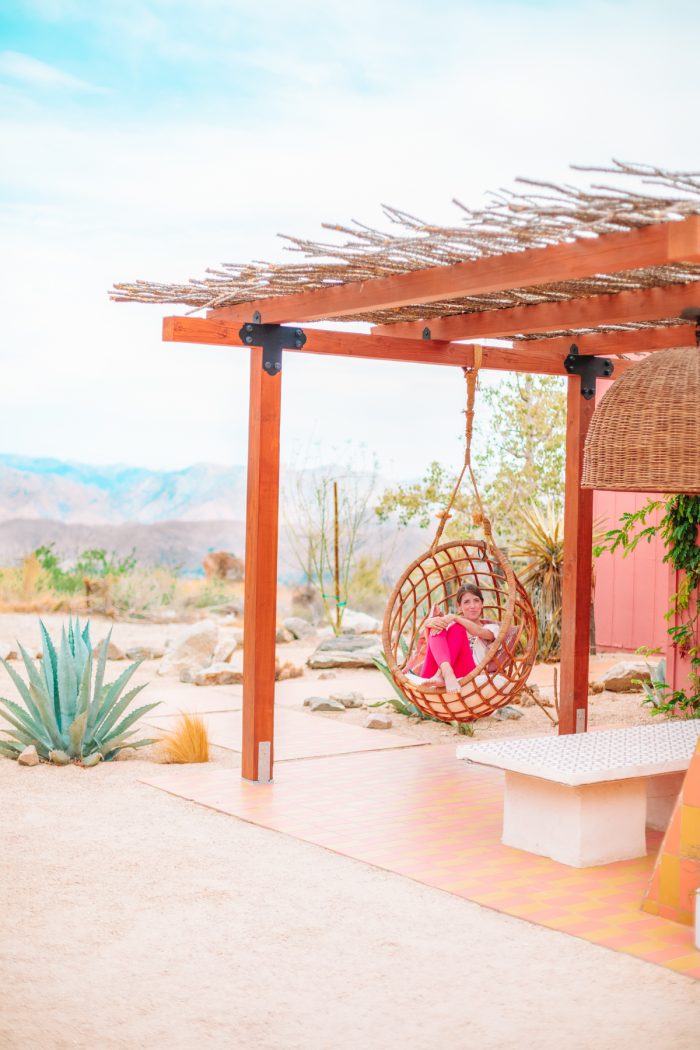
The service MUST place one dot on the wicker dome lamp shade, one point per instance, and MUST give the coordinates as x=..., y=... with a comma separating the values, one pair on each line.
x=433, y=580
x=645, y=433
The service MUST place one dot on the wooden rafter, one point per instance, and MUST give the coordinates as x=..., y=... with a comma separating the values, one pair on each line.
x=665, y=243
x=526, y=358
x=650, y=304
x=613, y=344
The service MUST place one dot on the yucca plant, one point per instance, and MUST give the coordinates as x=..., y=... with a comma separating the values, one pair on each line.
x=542, y=547
x=67, y=715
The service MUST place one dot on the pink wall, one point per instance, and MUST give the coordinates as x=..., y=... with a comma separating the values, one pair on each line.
x=631, y=594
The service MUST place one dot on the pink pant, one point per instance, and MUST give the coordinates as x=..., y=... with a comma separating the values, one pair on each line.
x=450, y=646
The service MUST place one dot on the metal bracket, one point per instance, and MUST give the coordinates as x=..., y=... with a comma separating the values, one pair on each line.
x=589, y=368
x=273, y=338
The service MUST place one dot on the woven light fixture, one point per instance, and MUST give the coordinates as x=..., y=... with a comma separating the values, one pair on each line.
x=645, y=433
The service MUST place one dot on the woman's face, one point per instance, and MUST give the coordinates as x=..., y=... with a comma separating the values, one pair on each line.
x=471, y=606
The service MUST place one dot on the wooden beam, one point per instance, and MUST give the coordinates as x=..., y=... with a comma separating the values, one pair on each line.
x=260, y=593
x=609, y=253
x=577, y=568
x=611, y=344
x=649, y=304
x=528, y=358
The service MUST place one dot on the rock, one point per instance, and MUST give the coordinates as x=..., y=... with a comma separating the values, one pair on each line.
x=345, y=651
x=359, y=623
x=145, y=652
x=325, y=632
x=7, y=652
x=532, y=695
x=218, y=674
x=348, y=643
x=125, y=754
x=113, y=653
x=307, y=702
x=507, y=712
x=324, y=675
x=287, y=670
x=323, y=703
x=596, y=687
x=191, y=649
x=185, y=675
x=283, y=635
x=625, y=677
x=29, y=756
x=378, y=722
x=299, y=628
x=349, y=699
x=226, y=647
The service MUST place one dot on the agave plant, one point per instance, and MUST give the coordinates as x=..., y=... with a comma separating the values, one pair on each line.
x=67, y=715
x=543, y=548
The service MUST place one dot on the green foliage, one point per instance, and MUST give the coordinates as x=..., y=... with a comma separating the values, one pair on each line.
x=366, y=590
x=520, y=453
x=677, y=520
x=68, y=715
x=94, y=562
x=542, y=547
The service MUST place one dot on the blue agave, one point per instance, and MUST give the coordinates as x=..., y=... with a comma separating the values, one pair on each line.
x=67, y=715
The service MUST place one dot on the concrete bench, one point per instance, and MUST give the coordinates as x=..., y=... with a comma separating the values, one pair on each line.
x=585, y=799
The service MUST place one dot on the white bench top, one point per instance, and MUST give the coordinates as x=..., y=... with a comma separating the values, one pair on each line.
x=593, y=757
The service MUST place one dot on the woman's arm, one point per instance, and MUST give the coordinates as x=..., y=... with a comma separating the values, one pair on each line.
x=476, y=629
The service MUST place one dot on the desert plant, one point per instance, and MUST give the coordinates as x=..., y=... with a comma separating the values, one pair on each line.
x=66, y=715
x=543, y=551
x=188, y=741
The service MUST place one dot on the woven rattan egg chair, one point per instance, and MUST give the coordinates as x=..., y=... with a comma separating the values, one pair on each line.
x=433, y=581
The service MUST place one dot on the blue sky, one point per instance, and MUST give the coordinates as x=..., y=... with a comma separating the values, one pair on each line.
x=146, y=139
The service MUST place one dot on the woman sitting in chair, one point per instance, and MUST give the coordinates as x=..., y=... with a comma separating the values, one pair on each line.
x=456, y=642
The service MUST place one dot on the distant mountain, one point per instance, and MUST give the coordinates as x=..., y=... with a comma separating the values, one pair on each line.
x=80, y=493
x=168, y=517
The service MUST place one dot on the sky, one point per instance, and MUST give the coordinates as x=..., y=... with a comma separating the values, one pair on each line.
x=155, y=138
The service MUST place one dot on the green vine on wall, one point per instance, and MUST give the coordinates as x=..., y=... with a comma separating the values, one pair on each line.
x=678, y=525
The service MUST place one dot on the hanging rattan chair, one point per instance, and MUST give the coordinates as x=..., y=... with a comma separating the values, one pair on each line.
x=431, y=583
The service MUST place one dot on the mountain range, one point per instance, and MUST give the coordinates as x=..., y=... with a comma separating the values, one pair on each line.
x=168, y=517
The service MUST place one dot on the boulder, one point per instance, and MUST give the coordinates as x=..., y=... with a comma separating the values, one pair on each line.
x=287, y=670
x=113, y=652
x=225, y=648
x=191, y=649
x=299, y=628
x=7, y=652
x=507, y=712
x=360, y=623
x=349, y=699
x=217, y=674
x=345, y=651
x=29, y=756
x=378, y=722
x=625, y=677
x=145, y=652
x=283, y=635
x=323, y=703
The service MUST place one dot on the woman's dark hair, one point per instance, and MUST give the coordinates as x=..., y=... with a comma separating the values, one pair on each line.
x=469, y=588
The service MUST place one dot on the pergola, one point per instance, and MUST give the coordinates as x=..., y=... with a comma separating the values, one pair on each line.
x=575, y=280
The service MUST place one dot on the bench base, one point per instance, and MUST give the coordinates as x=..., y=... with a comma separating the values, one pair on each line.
x=579, y=826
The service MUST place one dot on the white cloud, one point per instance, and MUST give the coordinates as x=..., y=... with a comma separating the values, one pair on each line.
x=31, y=71
x=497, y=92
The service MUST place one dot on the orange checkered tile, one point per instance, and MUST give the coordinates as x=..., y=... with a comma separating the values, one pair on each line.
x=422, y=814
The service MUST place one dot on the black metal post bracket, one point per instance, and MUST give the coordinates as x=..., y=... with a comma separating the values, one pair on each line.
x=273, y=338
x=589, y=368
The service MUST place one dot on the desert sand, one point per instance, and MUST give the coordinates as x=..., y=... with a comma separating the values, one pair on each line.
x=133, y=919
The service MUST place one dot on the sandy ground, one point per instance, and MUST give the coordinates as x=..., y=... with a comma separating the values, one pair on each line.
x=132, y=919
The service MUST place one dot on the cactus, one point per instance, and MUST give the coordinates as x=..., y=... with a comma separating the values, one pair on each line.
x=68, y=715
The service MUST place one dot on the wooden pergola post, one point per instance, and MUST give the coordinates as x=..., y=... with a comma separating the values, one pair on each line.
x=578, y=569
x=260, y=594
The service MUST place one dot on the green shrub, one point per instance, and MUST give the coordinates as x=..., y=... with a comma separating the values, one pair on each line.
x=67, y=715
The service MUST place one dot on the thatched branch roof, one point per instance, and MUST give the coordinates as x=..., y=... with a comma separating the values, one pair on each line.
x=541, y=215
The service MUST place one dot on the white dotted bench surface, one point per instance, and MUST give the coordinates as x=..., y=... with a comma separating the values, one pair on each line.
x=590, y=758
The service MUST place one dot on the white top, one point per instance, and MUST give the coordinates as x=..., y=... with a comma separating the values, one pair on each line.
x=594, y=757
x=480, y=645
